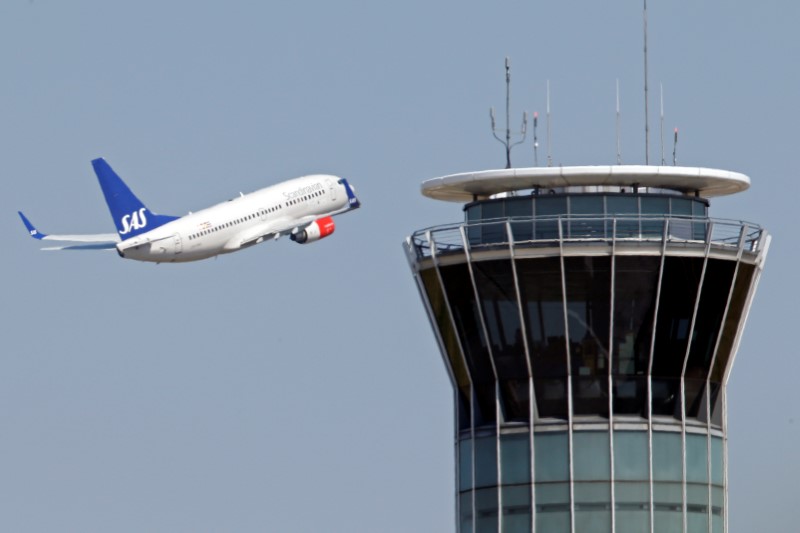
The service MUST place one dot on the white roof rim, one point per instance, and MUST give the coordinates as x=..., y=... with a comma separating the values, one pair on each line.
x=464, y=187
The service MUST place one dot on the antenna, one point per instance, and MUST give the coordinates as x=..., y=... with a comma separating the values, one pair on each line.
x=535, y=139
x=662, y=124
x=646, y=120
x=675, y=148
x=619, y=152
x=549, y=158
x=523, y=130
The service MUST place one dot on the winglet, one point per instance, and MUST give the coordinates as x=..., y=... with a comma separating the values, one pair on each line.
x=36, y=234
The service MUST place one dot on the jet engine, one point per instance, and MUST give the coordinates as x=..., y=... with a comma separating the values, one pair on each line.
x=319, y=229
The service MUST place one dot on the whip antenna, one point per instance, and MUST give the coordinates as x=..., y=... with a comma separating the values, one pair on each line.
x=523, y=130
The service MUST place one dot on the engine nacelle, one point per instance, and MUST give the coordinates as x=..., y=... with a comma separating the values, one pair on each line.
x=319, y=229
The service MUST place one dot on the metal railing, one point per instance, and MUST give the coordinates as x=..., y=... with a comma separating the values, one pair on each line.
x=576, y=229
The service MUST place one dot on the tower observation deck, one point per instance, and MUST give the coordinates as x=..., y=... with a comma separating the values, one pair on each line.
x=588, y=318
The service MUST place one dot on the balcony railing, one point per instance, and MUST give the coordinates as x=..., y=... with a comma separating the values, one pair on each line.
x=576, y=229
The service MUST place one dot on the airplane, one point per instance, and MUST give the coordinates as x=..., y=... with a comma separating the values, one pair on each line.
x=302, y=208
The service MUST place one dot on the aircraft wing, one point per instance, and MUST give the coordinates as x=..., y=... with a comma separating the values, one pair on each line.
x=275, y=230
x=101, y=241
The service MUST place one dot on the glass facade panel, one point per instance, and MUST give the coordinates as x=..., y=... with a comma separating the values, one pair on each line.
x=552, y=507
x=590, y=455
x=552, y=457
x=592, y=493
x=697, y=507
x=486, y=515
x=549, y=206
x=589, y=204
x=588, y=282
x=717, y=462
x=465, y=464
x=626, y=209
x=697, y=497
x=717, y=523
x=552, y=495
x=553, y=521
x=587, y=216
x=676, y=307
x=699, y=211
x=493, y=232
x=473, y=231
x=667, y=521
x=681, y=207
x=630, y=456
x=521, y=207
x=697, y=522
x=634, y=309
x=680, y=223
x=444, y=324
x=465, y=512
x=744, y=279
x=696, y=458
x=485, y=461
x=515, y=459
x=632, y=519
x=516, y=509
x=717, y=501
x=713, y=300
x=633, y=505
x=667, y=456
x=498, y=295
x=467, y=320
x=653, y=211
x=593, y=519
x=540, y=287
x=622, y=204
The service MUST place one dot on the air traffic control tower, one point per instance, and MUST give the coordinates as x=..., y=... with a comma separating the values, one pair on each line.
x=588, y=318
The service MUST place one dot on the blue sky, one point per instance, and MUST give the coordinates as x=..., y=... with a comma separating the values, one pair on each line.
x=299, y=388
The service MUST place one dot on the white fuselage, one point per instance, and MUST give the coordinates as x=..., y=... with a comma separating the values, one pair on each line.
x=268, y=213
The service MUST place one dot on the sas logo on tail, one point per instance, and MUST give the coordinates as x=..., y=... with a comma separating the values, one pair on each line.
x=134, y=221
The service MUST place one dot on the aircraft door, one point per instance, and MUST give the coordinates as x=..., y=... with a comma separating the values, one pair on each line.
x=177, y=243
x=332, y=189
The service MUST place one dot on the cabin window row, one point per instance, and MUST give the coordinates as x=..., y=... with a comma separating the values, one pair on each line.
x=305, y=198
x=234, y=222
x=252, y=216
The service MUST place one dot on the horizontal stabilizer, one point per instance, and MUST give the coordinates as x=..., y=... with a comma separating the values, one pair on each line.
x=96, y=241
x=91, y=246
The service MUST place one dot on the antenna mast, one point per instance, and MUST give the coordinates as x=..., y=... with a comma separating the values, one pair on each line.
x=619, y=151
x=523, y=130
x=549, y=158
x=675, y=149
x=535, y=139
x=662, y=124
x=646, y=114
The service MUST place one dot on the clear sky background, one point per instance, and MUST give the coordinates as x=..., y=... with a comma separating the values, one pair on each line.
x=299, y=388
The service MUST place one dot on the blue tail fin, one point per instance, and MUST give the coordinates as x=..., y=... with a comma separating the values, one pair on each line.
x=130, y=215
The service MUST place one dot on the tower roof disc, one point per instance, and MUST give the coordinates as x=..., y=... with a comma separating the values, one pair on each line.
x=464, y=187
